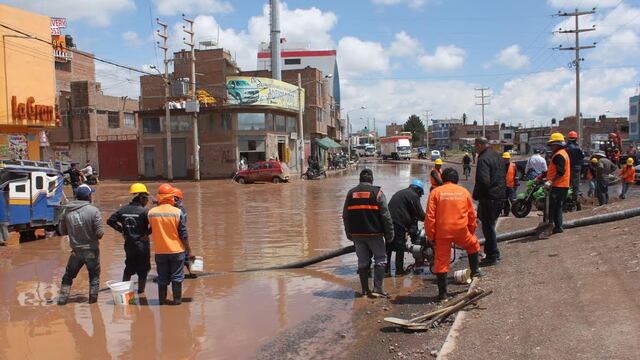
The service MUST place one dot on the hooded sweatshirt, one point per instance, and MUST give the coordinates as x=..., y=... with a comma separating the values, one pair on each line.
x=83, y=223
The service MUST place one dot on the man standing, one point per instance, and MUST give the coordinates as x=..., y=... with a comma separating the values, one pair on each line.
x=558, y=179
x=75, y=176
x=576, y=157
x=83, y=223
x=368, y=223
x=132, y=222
x=604, y=168
x=535, y=166
x=171, y=243
x=406, y=211
x=466, y=166
x=628, y=175
x=436, y=175
x=511, y=182
x=490, y=192
x=451, y=219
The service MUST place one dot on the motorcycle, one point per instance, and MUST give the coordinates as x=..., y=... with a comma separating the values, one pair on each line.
x=536, y=195
x=422, y=155
x=91, y=179
x=313, y=174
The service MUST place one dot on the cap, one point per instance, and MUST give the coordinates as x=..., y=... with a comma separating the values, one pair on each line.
x=83, y=191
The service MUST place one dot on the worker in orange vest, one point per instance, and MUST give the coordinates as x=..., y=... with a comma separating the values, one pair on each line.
x=436, y=175
x=628, y=175
x=451, y=218
x=558, y=179
x=511, y=181
x=171, y=243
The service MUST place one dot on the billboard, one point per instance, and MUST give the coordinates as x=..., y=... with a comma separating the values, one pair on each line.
x=245, y=90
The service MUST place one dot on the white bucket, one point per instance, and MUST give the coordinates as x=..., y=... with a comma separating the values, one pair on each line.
x=197, y=265
x=462, y=276
x=122, y=292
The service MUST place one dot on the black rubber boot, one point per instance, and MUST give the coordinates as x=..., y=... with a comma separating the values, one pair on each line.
x=363, y=273
x=474, y=265
x=378, y=280
x=64, y=294
x=162, y=294
x=442, y=287
x=93, y=293
x=400, y=264
x=387, y=267
x=142, y=283
x=176, y=287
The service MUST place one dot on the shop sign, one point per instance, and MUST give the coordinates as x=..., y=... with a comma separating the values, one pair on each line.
x=244, y=90
x=31, y=111
x=57, y=24
x=60, y=50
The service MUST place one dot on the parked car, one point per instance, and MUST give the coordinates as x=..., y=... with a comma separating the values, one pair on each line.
x=263, y=171
x=435, y=154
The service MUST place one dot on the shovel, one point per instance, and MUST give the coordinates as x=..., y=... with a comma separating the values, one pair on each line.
x=545, y=228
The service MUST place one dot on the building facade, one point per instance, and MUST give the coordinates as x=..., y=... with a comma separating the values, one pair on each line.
x=393, y=129
x=440, y=135
x=634, y=123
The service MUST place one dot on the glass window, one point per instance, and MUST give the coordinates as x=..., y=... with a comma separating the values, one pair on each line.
x=269, y=125
x=114, y=119
x=251, y=121
x=633, y=109
x=251, y=144
x=291, y=124
x=226, y=121
x=281, y=125
x=292, y=61
x=151, y=125
x=39, y=183
x=507, y=136
x=21, y=188
x=129, y=120
x=319, y=114
x=52, y=186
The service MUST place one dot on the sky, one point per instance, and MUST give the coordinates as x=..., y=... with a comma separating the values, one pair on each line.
x=395, y=57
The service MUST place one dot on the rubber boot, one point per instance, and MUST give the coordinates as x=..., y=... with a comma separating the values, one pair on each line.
x=142, y=283
x=400, y=271
x=474, y=265
x=162, y=294
x=442, y=287
x=64, y=294
x=93, y=293
x=378, y=279
x=176, y=287
x=363, y=273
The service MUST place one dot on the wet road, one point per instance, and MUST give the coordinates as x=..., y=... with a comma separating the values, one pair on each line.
x=227, y=316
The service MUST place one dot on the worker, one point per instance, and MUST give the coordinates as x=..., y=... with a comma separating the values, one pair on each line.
x=558, y=179
x=451, y=218
x=536, y=165
x=171, y=243
x=178, y=202
x=511, y=183
x=406, y=211
x=368, y=223
x=604, y=168
x=591, y=176
x=466, y=166
x=628, y=175
x=576, y=157
x=436, y=175
x=83, y=224
x=132, y=222
x=75, y=176
x=490, y=192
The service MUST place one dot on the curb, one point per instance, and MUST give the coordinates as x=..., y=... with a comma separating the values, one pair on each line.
x=450, y=342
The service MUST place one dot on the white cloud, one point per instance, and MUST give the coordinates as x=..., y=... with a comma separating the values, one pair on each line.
x=131, y=38
x=176, y=7
x=584, y=4
x=93, y=12
x=411, y=3
x=445, y=58
x=116, y=81
x=356, y=57
x=511, y=58
x=405, y=45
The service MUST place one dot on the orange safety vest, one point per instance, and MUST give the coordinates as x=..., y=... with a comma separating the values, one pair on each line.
x=434, y=184
x=164, y=220
x=565, y=180
x=590, y=173
x=628, y=174
x=511, y=175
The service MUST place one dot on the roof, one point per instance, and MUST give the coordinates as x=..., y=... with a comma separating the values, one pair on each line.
x=327, y=143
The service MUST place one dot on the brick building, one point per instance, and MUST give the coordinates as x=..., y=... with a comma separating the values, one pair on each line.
x=393, y=129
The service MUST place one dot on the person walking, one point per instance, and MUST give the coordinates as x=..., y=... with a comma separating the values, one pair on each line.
x=171, y=243
x=436, y=175
x=83, y=224
x=558, y=180
x=628, y=175
x=604, y=168
x=466, y=166
x=511, y=183
x=75, y=176
x=406, y=211
x=490, y=191
x=536, y=165
x=451, y=219
x=132, y=222
x=576, y=157
x=367, y=222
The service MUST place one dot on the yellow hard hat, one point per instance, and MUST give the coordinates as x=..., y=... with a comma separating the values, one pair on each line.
x=438, y=161
x=506, y=155
x=467, y=154
x=138, y=188
x=594, y=160
x=629, y=161
x=556, y=139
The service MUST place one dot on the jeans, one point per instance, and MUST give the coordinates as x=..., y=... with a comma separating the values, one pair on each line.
x=367, y=248
x=511, y=197
x=625, y=188
x=398, y=245
x=602, y=191
x=137, y=261
x=488, y=213
x=556, y=202
x=78, y=259
x=170, y=268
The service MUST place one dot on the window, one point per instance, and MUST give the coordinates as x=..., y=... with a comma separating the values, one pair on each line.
x=633, y=109
x=52, y=186
x=281, y=125
x=292, y=61
x=252, y=145
x=39, y=183
x=269, y=122
x=129, y=120
x=507, y=136
x=114, y=119
x=319, y=114
x=226, y=121
x=151, y=125
x=291, y=124
x=251, y=121
x=181, y=123
x=21, y=188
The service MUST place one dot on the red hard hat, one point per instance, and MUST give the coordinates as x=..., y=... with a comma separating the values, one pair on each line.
x=165, y=189
x=572, y=135
x=178, y=193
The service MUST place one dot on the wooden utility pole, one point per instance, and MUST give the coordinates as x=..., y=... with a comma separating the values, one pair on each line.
x=167, y=112
x=483, y=103
x=194, y=98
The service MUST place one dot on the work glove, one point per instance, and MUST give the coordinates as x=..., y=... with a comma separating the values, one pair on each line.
x=547, y=185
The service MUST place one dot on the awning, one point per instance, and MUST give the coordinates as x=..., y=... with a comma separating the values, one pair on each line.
x=327, y=143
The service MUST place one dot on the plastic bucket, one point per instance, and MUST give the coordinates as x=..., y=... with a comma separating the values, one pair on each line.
x=462, y=276
x=122, y=292
x=197, y=265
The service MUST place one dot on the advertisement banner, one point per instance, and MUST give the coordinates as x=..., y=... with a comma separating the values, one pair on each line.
x=244, y=90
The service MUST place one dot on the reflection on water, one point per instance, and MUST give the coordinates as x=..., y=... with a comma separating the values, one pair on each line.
x=229, y=315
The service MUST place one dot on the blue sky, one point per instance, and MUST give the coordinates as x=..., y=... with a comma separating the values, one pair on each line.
x=396, y=57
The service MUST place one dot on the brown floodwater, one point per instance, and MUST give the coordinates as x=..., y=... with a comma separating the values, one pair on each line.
x=227, y=315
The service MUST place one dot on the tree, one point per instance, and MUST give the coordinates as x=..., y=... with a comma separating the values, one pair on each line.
x=415, y=126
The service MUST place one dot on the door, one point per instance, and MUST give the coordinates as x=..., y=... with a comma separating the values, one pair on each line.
x=265, y=172
x=38, y=196
x=19, y=202
x=118, y=159
x=149, y=162
x=254, y=172
x=179, y=150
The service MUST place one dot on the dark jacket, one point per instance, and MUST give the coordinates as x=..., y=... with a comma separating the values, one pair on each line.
x=406, y=209
x=131, y=220
x=83, y=223
x=466, y=160
x=576, y=156
x=74, y=176
x=367, y=216
x=179, y=205
x=490, y=177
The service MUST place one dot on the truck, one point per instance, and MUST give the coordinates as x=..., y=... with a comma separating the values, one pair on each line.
x=396, y=147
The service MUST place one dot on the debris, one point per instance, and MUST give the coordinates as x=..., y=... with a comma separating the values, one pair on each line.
x=434, y=353
x=343, y=335
x=553, y=254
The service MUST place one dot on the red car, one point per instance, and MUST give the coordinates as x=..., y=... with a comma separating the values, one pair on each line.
x=264, y=171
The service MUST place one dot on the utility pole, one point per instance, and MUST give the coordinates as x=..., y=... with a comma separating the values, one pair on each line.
x=194, y=98
x=275, y=40
x=300, y=124
x=576, y=14
x=483, y=103
x=167, y=112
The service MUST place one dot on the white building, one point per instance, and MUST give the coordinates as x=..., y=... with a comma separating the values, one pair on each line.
x=634, y=124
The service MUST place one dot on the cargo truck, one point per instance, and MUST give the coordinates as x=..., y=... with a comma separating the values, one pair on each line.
x=396, y=147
